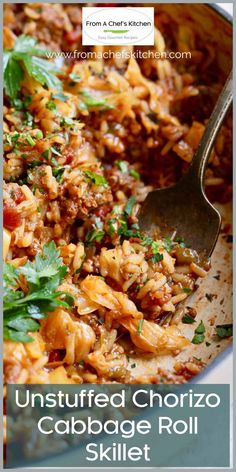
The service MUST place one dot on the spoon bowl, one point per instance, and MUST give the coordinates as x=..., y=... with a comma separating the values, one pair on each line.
x=184, y=208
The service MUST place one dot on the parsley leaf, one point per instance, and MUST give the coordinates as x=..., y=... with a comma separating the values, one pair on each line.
x=167, y=244
x=199, y=335
x=58, y=173
x=13, y=76
x=24, y=56
x=140, y=325
x=51, y=105
x=111, y=226
x=129, y=206
x=187, y=319
x=123, y=166
x=94, y=235
x=198, y=339
x=75, y=77
x=65, y=121
x=200, y=328
x=134, y=173
x=225, y=330
x=60, y=96
x=43, y=276
x=157, y=257
x=92, y=101
x=96, y=178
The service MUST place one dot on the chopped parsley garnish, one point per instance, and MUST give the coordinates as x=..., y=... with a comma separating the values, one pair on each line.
x=74, y=77
x=29, y=119
x=199, y=335
x=65, y=121
x=23, y=310
x=147, y=241
x=167, y=244
x=95, y=235
x=200, y=328
x=96, y=178
x=122, y=166
x=39, y=134
x=51, y=105
x=133, y=366
x=157, y=257
x=180, y=241
x=45, y=154
x=60, y=96
x=58, y=173
x=111, y=227
x=134, y=173
x=92, y=101
x=126, y=232
x=30, y=140
x=187, y=319
x=21, y=104
x=55, y=151
x=129, y=206
x=187, y=290
x=198, y=338
x=225, y=330
x=140, y=325
x=25, y=57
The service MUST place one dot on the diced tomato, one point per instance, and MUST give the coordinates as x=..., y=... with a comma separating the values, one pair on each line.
x=56, y=356
x=161, y=301
x=11, y=218
x=18, y=196
x=73, y=36
x=69, y=156
x=103, y=211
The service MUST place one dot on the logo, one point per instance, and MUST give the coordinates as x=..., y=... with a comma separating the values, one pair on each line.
x=117, y=26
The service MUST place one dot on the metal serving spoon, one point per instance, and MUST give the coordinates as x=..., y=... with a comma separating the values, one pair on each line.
x=184, y=207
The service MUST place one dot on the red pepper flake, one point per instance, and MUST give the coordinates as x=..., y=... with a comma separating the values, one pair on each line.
x=69, y=155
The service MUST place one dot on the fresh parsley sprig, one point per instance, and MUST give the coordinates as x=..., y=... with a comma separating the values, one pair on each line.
x=26, y=56
x=23, y=310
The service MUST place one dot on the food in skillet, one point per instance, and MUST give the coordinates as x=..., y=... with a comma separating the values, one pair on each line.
x=84, y=143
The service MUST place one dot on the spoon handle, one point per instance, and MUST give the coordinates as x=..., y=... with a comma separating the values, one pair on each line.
x=203, y=152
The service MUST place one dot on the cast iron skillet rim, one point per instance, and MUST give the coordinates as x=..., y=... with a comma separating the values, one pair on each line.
x=221, y=12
